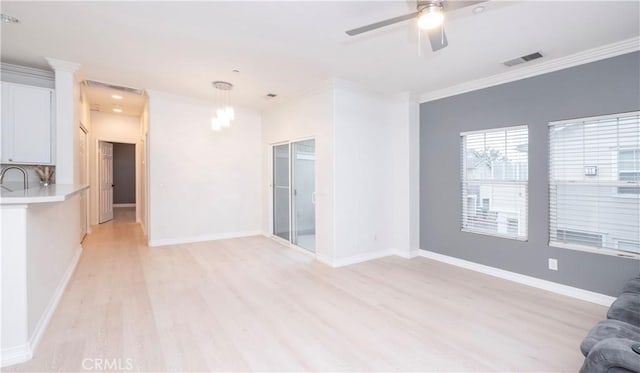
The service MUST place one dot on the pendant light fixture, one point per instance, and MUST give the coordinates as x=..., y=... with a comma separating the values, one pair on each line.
x=224, y=112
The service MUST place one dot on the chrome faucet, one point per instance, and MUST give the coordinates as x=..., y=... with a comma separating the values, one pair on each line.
x=25, y=177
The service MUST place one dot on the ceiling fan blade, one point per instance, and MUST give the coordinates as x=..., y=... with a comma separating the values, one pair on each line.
x=381, y=24
x=437, y=38
x=451, y=5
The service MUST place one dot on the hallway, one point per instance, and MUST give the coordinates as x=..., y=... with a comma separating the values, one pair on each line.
x=252, y=304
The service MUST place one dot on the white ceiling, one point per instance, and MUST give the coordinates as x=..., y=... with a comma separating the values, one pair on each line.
x=287, y=47
x=101, y=99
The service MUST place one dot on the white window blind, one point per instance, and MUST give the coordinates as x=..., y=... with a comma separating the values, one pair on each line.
x=495, y=173
x=594, y=184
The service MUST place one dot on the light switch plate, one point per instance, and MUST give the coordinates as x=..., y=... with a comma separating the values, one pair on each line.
x=553, y=264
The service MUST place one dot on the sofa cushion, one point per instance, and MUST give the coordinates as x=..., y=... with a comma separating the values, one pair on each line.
x=609, y=329
x=626, y=308
x=612, y=355
x=632, y=286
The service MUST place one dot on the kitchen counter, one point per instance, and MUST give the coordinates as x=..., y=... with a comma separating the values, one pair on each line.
x=41, y=233
x=52, y=193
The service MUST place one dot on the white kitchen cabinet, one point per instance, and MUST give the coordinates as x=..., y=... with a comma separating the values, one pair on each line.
x=27, y=124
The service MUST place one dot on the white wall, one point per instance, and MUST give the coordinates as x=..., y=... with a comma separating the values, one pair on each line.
x=363, y=172
x=112, y=128
x=308, y=116
x=367, y=177
x=405, y=189
x=203, y=184
x=377, y=173
x=67, y=118
x=141, y=172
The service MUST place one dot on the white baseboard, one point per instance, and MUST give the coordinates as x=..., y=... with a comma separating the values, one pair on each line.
x=359, y=258
x=202, y=238
x=407, y=254
x=566, y=290
x=116, y=205
x=22, y=353
x=15, y=355
x=341, y=262
x=325, y=260
x=570, y=291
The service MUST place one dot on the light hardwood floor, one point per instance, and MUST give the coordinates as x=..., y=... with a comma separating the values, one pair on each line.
x=252, y=304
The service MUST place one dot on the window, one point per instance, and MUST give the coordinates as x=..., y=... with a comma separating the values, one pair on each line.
x=580, y=238
x=594, y=183
x=495, y=172
x=629, y=170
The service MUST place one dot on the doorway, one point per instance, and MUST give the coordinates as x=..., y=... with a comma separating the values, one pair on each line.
x=294, y=213
x=116, y=179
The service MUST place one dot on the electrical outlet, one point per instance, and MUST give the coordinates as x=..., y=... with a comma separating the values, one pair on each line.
x=553, y=264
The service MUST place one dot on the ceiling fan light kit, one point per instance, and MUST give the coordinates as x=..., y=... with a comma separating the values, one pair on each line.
x=431, y=16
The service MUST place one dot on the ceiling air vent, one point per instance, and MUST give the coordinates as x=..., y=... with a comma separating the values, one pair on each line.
x=523, y=59
x=93, y=83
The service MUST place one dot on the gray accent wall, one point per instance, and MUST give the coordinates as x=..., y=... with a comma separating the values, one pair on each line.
x=598, y=88
x=124, y=173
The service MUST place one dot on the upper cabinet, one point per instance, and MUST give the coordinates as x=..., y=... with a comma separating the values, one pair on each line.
x=27, y=124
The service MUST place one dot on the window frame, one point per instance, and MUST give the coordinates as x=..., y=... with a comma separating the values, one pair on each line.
x=636, y=152
x=616, y=154
x=464, y=181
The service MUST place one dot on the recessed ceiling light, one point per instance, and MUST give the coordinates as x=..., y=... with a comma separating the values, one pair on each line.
x=117, y=110
x=117, y=97
x=479, y=9
x=8, y=19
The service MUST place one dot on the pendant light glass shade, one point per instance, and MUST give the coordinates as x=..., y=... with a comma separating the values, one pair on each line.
x=225, y=114
x=231, y=114
x=216, y=125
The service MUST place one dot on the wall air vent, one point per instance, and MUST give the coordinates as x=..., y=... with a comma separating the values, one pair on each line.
x=523, y=59
x=93, y=83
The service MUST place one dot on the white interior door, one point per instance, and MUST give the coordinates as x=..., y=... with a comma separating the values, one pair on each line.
x=106, y=181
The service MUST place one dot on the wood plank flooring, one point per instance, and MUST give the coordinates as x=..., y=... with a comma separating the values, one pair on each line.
x=251, y=304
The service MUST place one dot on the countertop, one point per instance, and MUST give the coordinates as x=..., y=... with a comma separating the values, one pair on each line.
x=52, y=193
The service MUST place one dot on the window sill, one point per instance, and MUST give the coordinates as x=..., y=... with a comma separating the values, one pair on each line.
x=497, y=235
x=589, y=249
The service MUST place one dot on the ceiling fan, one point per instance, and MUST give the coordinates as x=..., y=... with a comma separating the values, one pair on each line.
x=430, y=17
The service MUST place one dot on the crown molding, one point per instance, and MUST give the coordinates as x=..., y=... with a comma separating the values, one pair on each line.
x=576, y=59
x=27, y=71
x=60, y=65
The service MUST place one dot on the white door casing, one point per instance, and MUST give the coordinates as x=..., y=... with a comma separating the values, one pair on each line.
x=82, y=161
x=105, y=199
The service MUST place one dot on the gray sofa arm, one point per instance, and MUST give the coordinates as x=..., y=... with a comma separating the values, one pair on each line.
x=626, y=308
x=609, y=329
x=612, y=355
